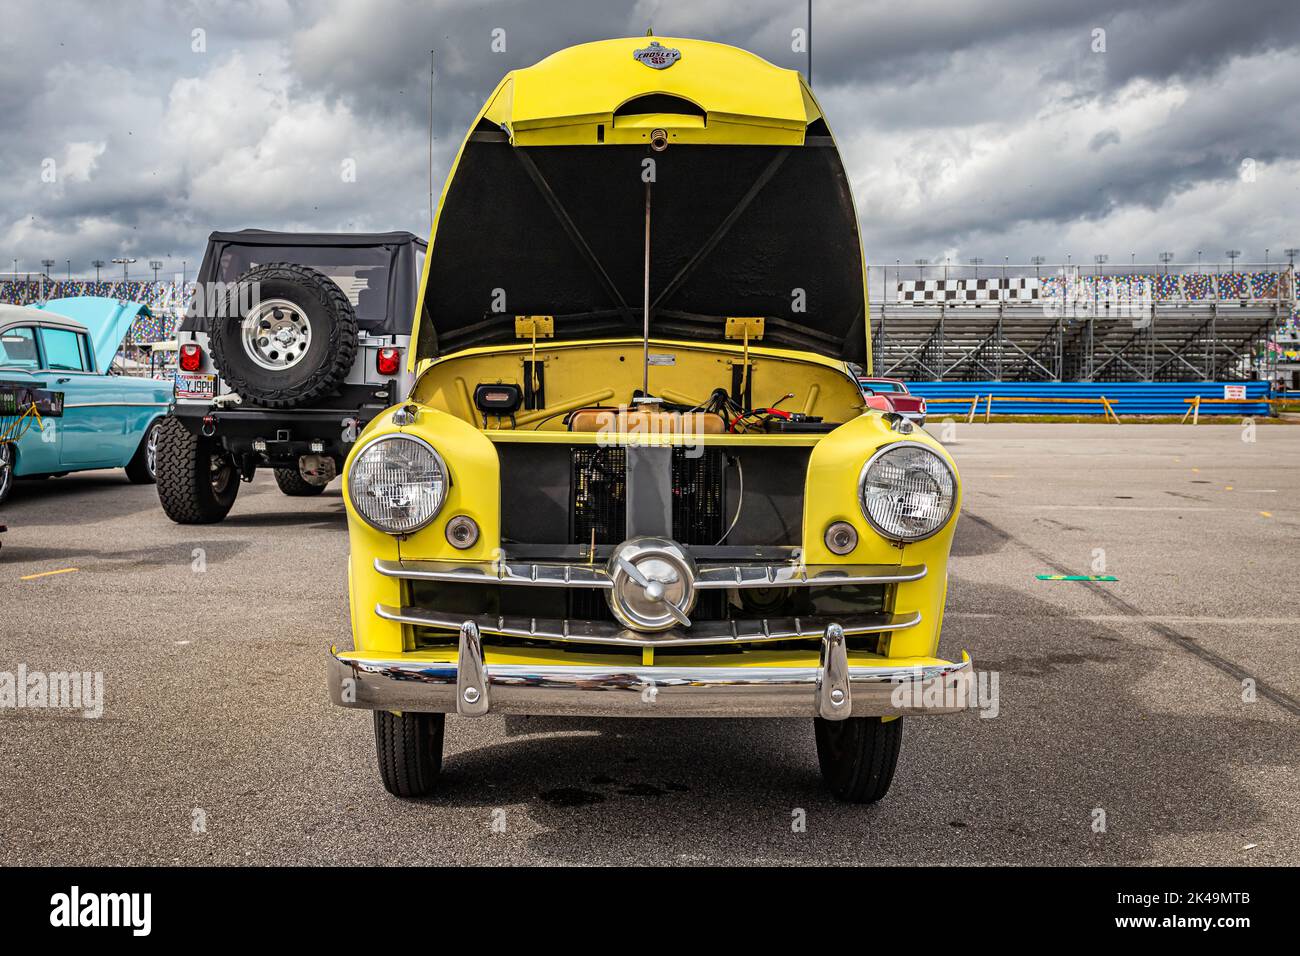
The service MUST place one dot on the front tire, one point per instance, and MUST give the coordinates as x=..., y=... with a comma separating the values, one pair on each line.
x=858, y=756
x=6, y=470
x=409, y=747
x=142, y=469
x=293, y=484
x=197, y=482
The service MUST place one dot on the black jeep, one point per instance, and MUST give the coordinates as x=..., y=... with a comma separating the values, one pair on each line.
x=290, y=344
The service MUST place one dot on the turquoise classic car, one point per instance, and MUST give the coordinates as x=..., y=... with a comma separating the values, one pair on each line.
x=109, y=420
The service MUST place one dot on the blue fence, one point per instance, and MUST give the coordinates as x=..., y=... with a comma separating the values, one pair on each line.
x=1128, y=398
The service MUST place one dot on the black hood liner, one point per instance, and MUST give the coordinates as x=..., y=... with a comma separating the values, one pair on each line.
x=498, y=229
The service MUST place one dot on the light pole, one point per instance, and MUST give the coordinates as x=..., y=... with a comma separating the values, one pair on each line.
x=1232, y=255
x=98, y=264
x=155, y=265
x=976, y=261
x=49, y=264
x=1038, y=262
x=1166, y=258
x=1290, y=255
x=69, y=262
x=1100, y=259
x=124, y=262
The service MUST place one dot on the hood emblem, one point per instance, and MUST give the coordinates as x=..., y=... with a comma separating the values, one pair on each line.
x=656, y=56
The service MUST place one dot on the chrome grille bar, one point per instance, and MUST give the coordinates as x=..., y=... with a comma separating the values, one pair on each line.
x=702, y=632
x=709, y=576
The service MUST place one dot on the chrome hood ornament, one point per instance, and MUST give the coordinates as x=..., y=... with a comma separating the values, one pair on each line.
x=653, y=584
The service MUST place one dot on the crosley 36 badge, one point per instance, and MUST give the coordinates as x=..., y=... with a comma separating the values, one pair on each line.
x=657, y=56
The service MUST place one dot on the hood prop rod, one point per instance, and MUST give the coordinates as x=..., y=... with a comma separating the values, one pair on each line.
x=645, y=304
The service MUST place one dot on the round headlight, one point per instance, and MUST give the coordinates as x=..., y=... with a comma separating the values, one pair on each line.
x=398, y=483
x=907, y=491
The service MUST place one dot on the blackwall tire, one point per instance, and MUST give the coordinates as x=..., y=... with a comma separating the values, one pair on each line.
x=858, y=756
x=409, y=747
x=293, y=484
x=286, y=336
x=197, y=483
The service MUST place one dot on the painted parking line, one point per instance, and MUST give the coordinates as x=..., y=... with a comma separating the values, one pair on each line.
x=1118, y=508
x=46, y=574
x=1142, y=619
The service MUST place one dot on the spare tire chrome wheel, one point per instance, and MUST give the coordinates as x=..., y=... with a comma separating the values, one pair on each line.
x=286, y=336
x=276, y=334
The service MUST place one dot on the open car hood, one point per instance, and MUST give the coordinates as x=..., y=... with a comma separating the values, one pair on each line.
x=107, y=320
x=544, y=213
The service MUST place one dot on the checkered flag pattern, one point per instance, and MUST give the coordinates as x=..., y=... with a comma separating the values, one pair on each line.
x=958, y=291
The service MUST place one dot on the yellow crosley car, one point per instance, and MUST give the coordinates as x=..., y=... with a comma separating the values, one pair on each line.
x=635, y=475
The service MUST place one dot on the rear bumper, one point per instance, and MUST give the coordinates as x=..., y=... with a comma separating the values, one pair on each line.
x=471, y=687
x=277, y=436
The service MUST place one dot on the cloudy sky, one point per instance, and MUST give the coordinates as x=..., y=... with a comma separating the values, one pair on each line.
x=993, y=128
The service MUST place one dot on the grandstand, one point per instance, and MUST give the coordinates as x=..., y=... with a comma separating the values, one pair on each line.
x=165, y=300
x=1045, y=323
x=1061, y=323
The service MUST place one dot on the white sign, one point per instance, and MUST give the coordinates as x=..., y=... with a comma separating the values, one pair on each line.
x=1234, y=391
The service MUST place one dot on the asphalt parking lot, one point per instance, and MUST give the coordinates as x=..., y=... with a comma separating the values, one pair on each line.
x=1122, y=697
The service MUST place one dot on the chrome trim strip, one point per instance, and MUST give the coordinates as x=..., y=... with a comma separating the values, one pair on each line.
x=708, y=576
x=115, y=405
x=500, y=572
x=702, y=632
x=597, y=691
x=713, y=577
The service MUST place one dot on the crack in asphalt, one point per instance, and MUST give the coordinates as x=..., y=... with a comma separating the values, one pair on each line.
x=1177, y=638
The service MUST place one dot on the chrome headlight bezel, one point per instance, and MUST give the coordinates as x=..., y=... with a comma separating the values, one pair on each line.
x=438, y=460
x=894, y=534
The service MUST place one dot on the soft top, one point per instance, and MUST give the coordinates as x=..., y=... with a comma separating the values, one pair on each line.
x=378, y=271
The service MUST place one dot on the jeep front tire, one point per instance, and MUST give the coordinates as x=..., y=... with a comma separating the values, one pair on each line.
x=293, y=484
x=197, y=481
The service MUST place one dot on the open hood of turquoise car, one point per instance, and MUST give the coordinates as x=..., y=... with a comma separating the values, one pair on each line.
x=107, y=320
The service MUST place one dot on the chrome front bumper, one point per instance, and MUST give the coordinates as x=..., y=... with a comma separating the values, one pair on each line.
x=471, y=687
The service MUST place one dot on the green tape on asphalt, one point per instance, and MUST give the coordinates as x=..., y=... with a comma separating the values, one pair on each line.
x=1076, y=577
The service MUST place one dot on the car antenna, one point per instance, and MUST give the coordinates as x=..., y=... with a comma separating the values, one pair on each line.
x=430, y=143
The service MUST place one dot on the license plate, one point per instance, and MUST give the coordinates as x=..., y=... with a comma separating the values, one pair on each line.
x=193, y=385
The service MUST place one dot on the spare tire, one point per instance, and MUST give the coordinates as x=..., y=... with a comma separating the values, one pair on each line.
x=286, y=337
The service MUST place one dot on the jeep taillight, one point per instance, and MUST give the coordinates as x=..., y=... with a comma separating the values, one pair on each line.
x=191, y=358
x=387, y=361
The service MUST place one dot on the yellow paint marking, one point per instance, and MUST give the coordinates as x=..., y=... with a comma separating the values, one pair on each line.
x=1227, y=487
x=46, y=574
x=1197, y=470
x=1267, y=514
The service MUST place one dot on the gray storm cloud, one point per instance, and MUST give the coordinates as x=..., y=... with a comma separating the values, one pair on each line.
x=1005, y=128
